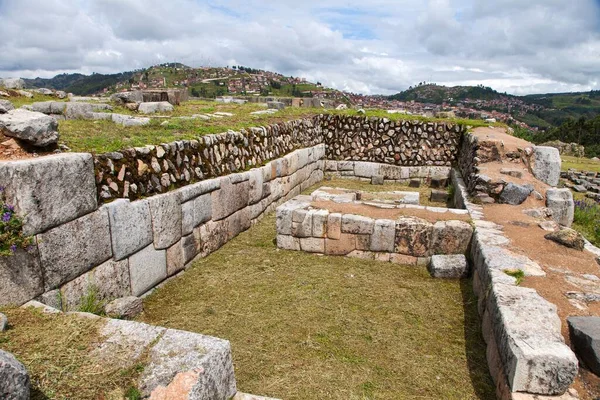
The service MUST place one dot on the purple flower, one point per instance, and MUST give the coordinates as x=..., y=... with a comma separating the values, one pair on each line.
x=1, y=189
x=6, y=217
x=10, y=208
x=13, y=247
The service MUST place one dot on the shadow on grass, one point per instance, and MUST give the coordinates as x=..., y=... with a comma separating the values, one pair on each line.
x=475, y=347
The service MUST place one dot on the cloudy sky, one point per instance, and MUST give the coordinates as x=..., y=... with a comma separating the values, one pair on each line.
x=371, y=47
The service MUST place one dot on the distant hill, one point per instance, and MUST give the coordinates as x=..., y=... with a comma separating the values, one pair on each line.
x=78, y=83
x=437, y=94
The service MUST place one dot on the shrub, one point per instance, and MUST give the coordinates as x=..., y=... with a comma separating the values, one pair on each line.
x=587, y=218
x=11, y=229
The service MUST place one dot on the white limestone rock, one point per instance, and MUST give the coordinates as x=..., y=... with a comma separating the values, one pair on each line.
x=35, y=128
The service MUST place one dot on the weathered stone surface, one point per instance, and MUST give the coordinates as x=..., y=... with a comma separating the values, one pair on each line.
x=32, y=127
x=255, y=182
x=319, y=223
x=154, y=107
x=288, y=242
x=545, y=164
x=178, y=351
x=109, y=280
x=229, y=198
x=384, y=235
x=147, y=268
x=549, y=226
x=3, y=322
x=165, y=211
x=567, y=237
x=512, y=172
x=130, y=225
x=560, y=201
x=585, y=339
x=515, y=194
x=49, y=191
x=128, y=120
x=345, y=244
x=196, y=212
x=439, y=196
x=302, y=223
x=312, y=245
x=377, y=180
x=448, y=266
x=71, y=249
x=413, y=236
x=20, y=277
x=5, y=106
x=451, y=237
x=12, y=83
x=357, y=224
x=14, y=379
x=527, y=330
x=334, y=226
x=125, y=307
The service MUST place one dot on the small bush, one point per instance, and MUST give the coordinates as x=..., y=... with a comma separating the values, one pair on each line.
x=91, y=303
x=11, y=229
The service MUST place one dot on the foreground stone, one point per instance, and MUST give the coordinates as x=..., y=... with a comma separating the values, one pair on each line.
x=448, y=266
x=567, y=237
x=545, y=164
x=125, y=307
x=560, y=201
x=14, y=379
x=515, y=194
x=5, y=106
x=20, y=277
x=32, y=127
x=154, y=107
x=585, y=339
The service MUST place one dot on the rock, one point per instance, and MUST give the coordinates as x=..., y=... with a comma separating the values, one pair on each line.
x=549, y=226
x=125, y=307
x=545, y=164
x=48, y=107
x=135, y=96
x=377, y=180
x=128, y=120
x=357, y=224
x=147, y=268
x=75, y=247
x=50, y=191
x=414, y=183
x=560, y=201
x=165, y=210
x=451, y=237
x=567, y=237
x=25, y=93
x=3, y=322
x=383, y=236
x=229, y=198
x=154, y=107
x=130, y=225
x=514, y=194
x=512, y=172
x=44, y=91
x=413, y=236
x=61, y=94
x=275, y=105
x=32, y=127
x=12, y=83
x=448, y=266
x=21, y=277
x=5, y=106
x=14, y=379
x=132, y=106
x=542, y=212
x=180, y=387
x=439, y=196
x=579, y=189
x=585, y=339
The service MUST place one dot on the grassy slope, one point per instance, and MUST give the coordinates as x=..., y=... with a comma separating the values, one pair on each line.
x=305, y=326
x=581, y=164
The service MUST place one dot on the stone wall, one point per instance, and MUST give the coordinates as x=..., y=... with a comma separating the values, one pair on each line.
x=407, y=143
x=128, y=247
x=140, y=172
x=389, y=173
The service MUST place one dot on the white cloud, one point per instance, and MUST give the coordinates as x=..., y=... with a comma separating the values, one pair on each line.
x=380, y=46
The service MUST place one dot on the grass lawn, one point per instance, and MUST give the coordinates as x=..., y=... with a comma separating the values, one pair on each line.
x=579, y=163
x=306, y=326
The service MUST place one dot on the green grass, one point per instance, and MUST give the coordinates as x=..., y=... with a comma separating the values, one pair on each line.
x=518, y=274
x=22, y=100
x=56, y=348
x=587, y=219
x=579, y=163
x=307, y=327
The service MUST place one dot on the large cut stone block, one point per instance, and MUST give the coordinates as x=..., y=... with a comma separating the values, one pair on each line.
x=255, y=186
x=50, y=191
x=14, y=379
x=451, y=237
x=545, y=164
x=71, y=249
x=560, y=201
x=366, y=169
x=20, y=277
x=585, y=338
x=287, y=242
x=527, y=332
x=147, y=268
x=130, y=226
x=342, y=246
x=110, y=280
x=357, y=224
x=448, y=266
x=319, y=221
x=165, y=210
x=413, y=236
x=384, y=235
x=195, y=212
x=230, y=198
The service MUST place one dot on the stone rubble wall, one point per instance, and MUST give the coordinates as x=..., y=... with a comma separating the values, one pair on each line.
x=406, y=143
x=526, y=352
x=128, y=247
x=407, y=240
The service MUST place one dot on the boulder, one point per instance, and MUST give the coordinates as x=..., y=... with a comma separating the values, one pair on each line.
x=567, y=237
x=512, y=172
x=585, y=339
x=128, y=120
x=545, y=164
x=44, y=91
x=32, y=127
x=448, y=266
x=5, y=106
x=135, y=96
x=451, y=237
x=48, y=107
x=12, y=83
x=515, y=194
x=413, y=236
x=61, y=94
x=560, y=201
x=14, y=379
x=125, y=307
x=154, y=107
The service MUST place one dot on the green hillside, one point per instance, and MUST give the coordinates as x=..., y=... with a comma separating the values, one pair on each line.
x=436, y=94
